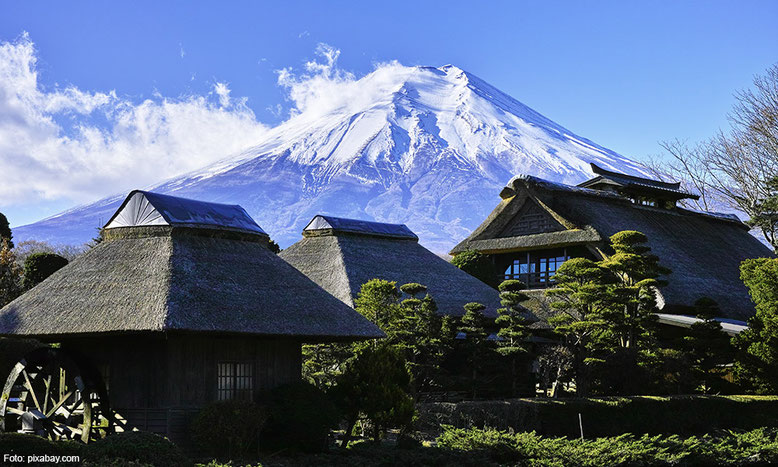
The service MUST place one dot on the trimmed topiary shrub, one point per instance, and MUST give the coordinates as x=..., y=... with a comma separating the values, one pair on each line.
x=301, y=416
x=229, y=429
x=136, y=447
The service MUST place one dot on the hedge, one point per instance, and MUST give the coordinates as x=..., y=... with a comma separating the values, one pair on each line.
x=612, y=416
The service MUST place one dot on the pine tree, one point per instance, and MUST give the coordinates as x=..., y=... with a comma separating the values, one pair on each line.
x=477, y=265
x=707, y=344
x=377, y=301
x=477, y=348
x=633, y=296
x=579, y=300
x=512, y=327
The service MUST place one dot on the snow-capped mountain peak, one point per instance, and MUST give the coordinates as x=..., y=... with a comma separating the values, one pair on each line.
x=428, y=147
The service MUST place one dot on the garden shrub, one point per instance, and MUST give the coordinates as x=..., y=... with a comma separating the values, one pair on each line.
x=25, y=445
x=229, y=429
x=301, y=416
x=136, y=447
x=681, y=415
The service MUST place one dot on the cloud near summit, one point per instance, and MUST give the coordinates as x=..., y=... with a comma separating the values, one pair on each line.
x=78, y=145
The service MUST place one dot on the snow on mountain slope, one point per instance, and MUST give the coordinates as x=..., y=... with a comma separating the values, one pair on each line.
x=428, y=147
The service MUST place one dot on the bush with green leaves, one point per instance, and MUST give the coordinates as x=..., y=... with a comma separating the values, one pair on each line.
x=477, y=265
x=25, y=445
x=39, y=266
x=136, y=447
x=301, y=416
x=229, y=429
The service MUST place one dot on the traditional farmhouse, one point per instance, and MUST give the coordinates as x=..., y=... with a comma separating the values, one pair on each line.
x=342, y=254
x=180, y=305
x=540, y=224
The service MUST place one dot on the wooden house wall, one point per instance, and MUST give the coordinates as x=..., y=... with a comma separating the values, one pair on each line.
x=158, y=384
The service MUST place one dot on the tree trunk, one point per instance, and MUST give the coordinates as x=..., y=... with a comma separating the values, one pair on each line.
x=349, y=428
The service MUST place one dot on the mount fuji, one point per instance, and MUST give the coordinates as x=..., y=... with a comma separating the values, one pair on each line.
x=427, y=147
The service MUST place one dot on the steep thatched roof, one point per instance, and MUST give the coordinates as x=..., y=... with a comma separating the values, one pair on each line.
x=173, y=278
x=341, y=260
x=703, y=250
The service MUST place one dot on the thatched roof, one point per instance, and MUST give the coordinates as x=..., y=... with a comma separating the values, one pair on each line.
x=341, y=260
x=173, y=278
x=703, y=250
x=637, y=185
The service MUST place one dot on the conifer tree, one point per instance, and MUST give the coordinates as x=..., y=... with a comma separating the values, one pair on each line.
x=633, y=295
x=472, y=328
x=707, y=345
x=579, y=300
x=512, y=321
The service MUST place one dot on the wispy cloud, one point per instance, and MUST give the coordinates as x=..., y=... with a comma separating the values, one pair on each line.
x=181, y=50
x=68, y=143
x=303, y=34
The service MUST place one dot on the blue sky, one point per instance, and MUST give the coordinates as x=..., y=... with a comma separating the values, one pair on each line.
x=624, y=74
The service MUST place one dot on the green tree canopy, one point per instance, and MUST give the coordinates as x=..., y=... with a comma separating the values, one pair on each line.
x=375, y=385
x=757, y=346
x=39, y=266
x=10, y=274
x=5, y=230
x=707, y=345
x=477, y=265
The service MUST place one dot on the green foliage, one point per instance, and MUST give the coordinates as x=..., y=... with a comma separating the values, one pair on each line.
x=765, y=212
x=707, y=345
x=322, y=363
x=757, y=356
x=229, y=429
x=301, y=416
x=512, y=330
x=377, y=301
x=579, y=298
x=26, y=445
x=633, y=296
x=610, y=416
x=39, y=266
x=474, y=345
x=477, y=265
x=5, y=230
x=138, y=446
x=375, y=386
x=10, y=274
x=758, y=447
x=273, y=246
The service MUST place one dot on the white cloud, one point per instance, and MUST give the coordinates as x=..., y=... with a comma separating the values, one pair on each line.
x=324, y=87
x=80, y=145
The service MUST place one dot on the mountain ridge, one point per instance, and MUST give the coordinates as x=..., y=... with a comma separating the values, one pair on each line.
x=428, y=147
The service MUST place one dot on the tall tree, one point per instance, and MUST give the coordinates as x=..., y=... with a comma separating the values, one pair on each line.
x=707, y=345
x=378, y=301
x=632, y=298
x=5, y=230
x=512, y=321
x=737, y=166
x=10, y=274
x=757, y=346
x=579, y=298
x=473, y=337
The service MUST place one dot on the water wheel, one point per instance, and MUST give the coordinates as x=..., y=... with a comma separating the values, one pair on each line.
x=55, y=394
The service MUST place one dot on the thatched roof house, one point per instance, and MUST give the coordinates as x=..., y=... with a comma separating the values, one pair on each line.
x=173, y=265
x=539, y=224
x=180, y=305
x=342, y=254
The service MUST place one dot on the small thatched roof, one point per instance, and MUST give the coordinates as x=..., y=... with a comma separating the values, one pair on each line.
x=703, y=250
x=182, y=278
x=341, y=260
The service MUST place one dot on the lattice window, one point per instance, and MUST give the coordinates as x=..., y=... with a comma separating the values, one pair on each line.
x=235, y=380
x=536, y=269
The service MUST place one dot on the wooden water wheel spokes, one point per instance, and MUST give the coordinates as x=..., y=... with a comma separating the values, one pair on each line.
x=53, y=394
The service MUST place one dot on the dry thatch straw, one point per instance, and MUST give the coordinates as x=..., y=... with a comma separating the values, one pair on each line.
x=342, y=254
x=181, y=276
